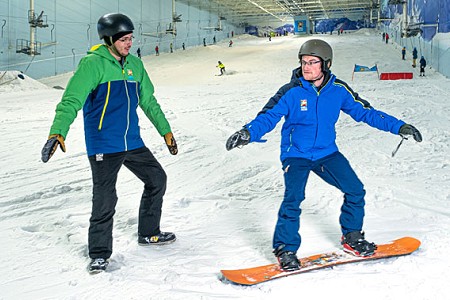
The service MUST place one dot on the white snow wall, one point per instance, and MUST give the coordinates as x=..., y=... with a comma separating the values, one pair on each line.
x=72, y=30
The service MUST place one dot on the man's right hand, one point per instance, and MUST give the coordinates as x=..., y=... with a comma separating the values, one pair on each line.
x=238, y=139
x=51, y=145
x=171, y=143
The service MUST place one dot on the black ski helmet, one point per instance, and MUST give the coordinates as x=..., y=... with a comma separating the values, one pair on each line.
x=319, y=48
x=112, y=24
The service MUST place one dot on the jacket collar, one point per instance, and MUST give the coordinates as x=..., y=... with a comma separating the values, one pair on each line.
x=328, y=77
x=102, y=50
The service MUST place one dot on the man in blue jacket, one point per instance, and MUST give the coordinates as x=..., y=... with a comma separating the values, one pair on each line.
x=311, y=103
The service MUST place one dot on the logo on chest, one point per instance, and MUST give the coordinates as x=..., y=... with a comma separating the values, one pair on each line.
x=303, y=105
x=130, y=75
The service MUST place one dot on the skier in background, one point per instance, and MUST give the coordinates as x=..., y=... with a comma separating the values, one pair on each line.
x=414, y=56
x=221, y=67
x=109, y=72
x=403, y=53
x=315, y=94
x=157, y=50
x=423, y=64
x=138, y=51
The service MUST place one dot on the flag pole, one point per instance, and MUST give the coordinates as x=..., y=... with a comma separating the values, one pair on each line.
x=353, y=71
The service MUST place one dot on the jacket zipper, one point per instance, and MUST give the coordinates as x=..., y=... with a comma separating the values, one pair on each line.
x=104, y=107
x=317, y=119
x=128, y=112
x=317, y=110
x=137, y=93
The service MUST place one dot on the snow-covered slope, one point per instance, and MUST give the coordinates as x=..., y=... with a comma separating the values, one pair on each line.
x=223, y=205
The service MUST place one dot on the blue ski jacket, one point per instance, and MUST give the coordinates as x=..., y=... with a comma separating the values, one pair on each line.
x=311, y=115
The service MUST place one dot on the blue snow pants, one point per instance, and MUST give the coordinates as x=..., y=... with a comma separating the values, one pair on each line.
x=333, y=169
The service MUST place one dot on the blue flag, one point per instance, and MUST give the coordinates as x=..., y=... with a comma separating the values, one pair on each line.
x=359, y=68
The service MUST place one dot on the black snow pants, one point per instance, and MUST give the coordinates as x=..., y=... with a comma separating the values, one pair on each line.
x=104, y=176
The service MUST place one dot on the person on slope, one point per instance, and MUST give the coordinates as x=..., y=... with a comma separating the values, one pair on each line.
x=109, y=85
x=414, y=57
x=221, y=67
x=310, y=104
x=423, y=64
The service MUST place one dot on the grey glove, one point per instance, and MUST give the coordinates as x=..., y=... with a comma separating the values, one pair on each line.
x=407, y=129
x=238, y=139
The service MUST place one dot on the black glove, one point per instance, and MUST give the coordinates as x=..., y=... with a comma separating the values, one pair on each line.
x=407, y=129
x=51, y=145
x=171, y=143
x=238, y=139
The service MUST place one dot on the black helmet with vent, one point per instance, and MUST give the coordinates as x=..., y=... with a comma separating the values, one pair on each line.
x=112, y=24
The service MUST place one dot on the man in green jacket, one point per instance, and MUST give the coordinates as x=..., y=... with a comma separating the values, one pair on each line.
x=109, y=85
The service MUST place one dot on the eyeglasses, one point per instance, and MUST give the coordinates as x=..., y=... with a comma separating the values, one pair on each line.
x=126, y=39
x=309, y=63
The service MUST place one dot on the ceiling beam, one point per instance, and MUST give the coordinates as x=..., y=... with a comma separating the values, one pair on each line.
x=276, y=10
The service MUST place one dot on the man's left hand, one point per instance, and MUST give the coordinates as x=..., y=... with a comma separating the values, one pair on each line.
x=171, y=143
x=408, y=129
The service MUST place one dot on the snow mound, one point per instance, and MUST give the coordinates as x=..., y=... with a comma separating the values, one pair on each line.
x=16, y=81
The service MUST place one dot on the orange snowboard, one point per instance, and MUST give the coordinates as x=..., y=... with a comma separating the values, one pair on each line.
x=250, y=276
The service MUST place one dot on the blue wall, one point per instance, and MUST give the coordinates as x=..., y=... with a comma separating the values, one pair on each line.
x=301, y=25
x=326, y=26
x=425, y=12
x=433, y=18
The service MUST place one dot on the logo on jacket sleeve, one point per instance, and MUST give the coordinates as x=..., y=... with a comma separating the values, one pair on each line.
x=303, y=105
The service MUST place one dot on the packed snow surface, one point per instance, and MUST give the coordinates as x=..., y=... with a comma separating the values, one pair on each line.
x=223, y=205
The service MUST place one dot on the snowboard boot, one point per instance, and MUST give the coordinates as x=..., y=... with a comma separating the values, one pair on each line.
x=97, y=265
x=159, y=239
x=355, y=243
x=287, y=259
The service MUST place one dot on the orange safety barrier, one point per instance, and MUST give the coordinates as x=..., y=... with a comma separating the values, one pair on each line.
x=396, y=76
